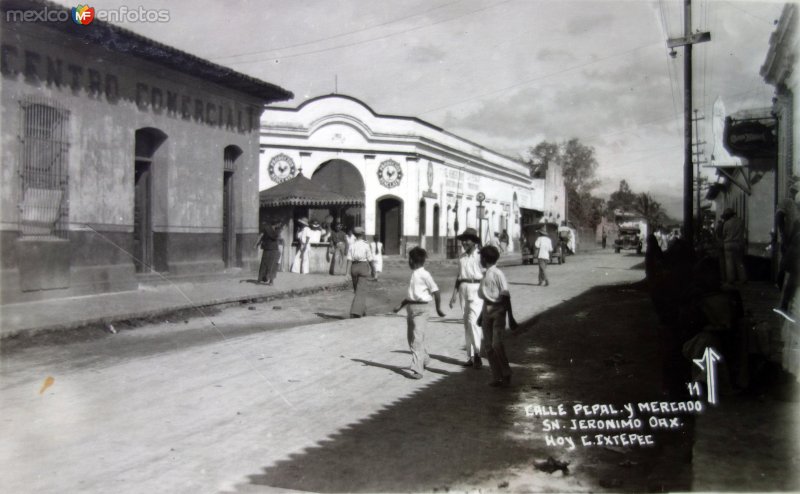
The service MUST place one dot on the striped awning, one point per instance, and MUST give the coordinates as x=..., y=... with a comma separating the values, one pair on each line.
x=301, y=191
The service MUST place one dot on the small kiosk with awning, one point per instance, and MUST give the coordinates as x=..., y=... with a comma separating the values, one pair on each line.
x=301, y=197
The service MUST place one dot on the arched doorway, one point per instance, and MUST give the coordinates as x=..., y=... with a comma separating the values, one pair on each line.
x=389, y=223
x=343, y=177
x=436, y=247
x=146, y=152
x=423, y=217
x=229, y=157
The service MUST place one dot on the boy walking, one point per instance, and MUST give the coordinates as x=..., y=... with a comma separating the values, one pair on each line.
x=493, y=291
x=421, y=290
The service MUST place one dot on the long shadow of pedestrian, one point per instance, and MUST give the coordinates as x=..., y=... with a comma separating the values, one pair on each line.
x=329, y=316
x=457, y=433
x=394, y=368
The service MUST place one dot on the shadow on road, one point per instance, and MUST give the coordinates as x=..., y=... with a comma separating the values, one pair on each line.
x=457, y=433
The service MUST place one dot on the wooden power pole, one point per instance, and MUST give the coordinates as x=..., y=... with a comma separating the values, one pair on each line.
x=686, y=42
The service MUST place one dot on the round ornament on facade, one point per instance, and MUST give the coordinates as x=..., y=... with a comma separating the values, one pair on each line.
x=281, y=168
x=390, y=174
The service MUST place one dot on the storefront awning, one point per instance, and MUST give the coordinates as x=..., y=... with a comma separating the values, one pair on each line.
x=301, y=191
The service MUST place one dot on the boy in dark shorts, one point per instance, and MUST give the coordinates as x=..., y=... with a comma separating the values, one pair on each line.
x=421, y=290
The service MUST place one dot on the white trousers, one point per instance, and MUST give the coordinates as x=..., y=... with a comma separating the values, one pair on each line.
x=472, y=304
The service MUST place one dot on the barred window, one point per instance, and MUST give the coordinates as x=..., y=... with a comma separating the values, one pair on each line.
x=43, y=169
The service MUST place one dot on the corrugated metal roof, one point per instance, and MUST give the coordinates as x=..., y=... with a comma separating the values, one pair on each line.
x=301, y=191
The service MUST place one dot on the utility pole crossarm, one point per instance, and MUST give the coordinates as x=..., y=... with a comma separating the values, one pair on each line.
x=691, y=39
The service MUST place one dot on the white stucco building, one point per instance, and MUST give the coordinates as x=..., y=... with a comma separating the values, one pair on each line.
x=418, y=183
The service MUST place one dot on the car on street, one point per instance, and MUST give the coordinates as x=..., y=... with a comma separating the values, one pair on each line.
x=629, y=238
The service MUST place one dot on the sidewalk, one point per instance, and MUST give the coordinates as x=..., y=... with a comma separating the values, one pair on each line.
x=152, y=301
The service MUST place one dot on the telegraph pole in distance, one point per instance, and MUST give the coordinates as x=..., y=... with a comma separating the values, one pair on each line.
x=686, y=42
x=698, y=162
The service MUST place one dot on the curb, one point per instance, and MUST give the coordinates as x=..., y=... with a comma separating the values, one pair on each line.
x=166, y=311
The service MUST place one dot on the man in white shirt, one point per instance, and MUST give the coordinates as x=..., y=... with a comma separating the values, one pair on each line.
x=360, y=256
x=543, y=246
x=470, y=274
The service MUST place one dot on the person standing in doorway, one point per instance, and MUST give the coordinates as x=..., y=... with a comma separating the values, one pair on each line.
x=504, y=241
x=543, y=247
x=468, y=280
x=361, y=268
x=270, y=254
x=733, y=247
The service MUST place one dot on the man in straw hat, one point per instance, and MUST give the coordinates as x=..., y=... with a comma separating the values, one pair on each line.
x=361, y=267
x=543, y=247
x=470, y=274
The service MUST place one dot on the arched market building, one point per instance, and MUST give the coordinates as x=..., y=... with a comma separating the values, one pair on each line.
x=405, y=180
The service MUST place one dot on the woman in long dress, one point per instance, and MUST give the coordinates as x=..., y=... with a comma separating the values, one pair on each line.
x=302, y=258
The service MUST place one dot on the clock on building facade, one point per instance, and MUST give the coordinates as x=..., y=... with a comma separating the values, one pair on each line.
x=281, y=168
x=390, y=174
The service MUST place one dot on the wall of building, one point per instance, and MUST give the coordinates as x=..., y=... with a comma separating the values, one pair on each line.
x=109, y=96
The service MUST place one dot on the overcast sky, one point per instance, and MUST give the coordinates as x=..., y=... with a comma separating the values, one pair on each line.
x=504, y=73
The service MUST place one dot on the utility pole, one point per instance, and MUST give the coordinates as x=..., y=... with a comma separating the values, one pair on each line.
x=698, y=161
x=686, y=42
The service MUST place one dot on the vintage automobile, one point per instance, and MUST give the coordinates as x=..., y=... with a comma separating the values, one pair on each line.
x=529, y=235
x=629, y=238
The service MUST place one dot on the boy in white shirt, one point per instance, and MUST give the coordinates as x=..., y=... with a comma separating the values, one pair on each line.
x=421, y=290
x=493, y=291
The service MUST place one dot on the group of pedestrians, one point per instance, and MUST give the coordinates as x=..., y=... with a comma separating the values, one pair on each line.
x=485, y=300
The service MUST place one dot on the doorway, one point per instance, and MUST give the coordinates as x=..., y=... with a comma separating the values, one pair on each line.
x=390, y=224
x=436, y=229
x=147, y=143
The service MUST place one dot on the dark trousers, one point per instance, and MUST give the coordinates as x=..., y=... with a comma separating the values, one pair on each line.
x=493, y=322
x=543, y=271
x=269, y=265
x=360, y=272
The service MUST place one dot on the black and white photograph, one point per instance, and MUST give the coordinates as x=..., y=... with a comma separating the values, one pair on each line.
x=423, y=246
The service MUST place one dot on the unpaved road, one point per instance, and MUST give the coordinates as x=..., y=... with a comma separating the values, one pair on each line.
x=263, y=400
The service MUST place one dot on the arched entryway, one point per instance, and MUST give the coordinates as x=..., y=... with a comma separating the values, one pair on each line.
x=343, y=177
x=148, y=151
x=229, y=157
x=436, y=246
x=389, y=223
x=423, y=217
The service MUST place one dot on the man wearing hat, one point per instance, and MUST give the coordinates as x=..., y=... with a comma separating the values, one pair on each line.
x=543, y=247
x=470, y=274
x=360, y=256
x=338, y=246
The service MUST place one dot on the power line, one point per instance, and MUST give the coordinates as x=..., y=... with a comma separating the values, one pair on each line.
x=341, y=35
x=322, y=50
x=529, y=81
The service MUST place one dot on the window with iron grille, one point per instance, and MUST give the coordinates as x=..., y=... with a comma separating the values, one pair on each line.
x=43, y=169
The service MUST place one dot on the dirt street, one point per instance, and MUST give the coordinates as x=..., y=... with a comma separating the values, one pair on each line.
x=286, y=395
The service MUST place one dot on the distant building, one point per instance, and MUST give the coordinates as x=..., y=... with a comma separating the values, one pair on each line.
x=122, y=158
x=414, y=183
